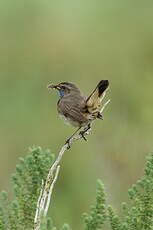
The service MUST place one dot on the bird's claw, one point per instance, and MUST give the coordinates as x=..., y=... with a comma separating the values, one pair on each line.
x=68, y=143
x=82, y=134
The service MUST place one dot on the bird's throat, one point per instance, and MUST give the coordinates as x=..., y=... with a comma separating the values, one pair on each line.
x=61, y=93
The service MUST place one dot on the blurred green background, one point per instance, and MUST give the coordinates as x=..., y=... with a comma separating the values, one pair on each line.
x=83, y=42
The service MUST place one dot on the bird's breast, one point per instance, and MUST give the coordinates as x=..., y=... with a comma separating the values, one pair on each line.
x=69, y=121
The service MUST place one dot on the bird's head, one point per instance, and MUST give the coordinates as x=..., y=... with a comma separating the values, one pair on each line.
x=64, y=88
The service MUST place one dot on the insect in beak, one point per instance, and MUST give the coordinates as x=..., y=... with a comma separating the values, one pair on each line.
x=53, y=86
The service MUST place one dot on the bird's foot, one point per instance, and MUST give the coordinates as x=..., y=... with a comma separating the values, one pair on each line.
x=68, y=143
x=100, y=116
x=82, y=134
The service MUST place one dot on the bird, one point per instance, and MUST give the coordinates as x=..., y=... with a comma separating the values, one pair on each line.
x=76, y=109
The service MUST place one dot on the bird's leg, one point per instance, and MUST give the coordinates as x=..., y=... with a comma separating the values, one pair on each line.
x=84, y=131
x=68, y=140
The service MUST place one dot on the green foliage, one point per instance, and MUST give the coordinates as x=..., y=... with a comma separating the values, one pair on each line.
x=139, y=213
x=97, y=216
x=47, y=224
x=65, y=227
x=114, y=219
x=3, y=210
x=19, y=214
x=27, y=179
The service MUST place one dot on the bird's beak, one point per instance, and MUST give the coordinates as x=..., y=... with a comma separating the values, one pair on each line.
x=53, y=86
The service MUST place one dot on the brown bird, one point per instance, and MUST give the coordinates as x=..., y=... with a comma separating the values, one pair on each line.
x=76, y=109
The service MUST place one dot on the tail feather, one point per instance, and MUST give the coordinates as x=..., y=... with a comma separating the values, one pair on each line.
x=102, y=86
x=93, y=102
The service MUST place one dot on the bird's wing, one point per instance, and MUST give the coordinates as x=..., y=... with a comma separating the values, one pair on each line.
x=93, y=102
x=73, y=111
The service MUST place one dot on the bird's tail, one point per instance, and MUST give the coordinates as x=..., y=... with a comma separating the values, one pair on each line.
x=93, y=102
x=102, y=86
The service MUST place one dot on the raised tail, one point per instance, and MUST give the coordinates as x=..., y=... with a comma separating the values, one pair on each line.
x=102, y=86
x=93, y=102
